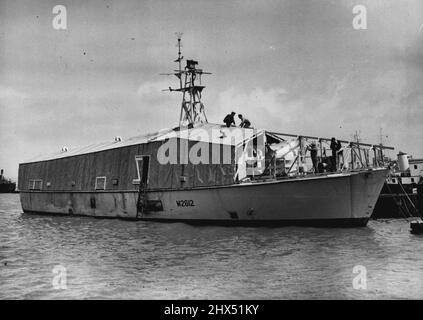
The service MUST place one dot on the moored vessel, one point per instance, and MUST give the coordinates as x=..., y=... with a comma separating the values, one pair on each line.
x=6, y=185
x=402, y=191
x=200, y=172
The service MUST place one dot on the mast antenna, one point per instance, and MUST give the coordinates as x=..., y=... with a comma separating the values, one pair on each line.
x=381, y=136
x=179, y=60
x=357, y=136
x=192, y=109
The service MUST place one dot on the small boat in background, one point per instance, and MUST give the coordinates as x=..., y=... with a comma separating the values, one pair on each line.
x=6, y=185
x=416, y=227
x=402, y=192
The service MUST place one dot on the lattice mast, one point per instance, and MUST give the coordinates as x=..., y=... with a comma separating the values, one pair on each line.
x=192, y=109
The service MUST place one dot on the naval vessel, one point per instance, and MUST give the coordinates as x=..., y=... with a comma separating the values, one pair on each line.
x=202, y=172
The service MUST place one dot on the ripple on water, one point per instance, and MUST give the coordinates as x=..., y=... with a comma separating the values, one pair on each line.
x=106, y=259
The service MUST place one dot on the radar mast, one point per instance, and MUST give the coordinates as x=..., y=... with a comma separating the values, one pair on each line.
x=192, y=109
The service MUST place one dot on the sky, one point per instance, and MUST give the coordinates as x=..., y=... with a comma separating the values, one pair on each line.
x=293, y=66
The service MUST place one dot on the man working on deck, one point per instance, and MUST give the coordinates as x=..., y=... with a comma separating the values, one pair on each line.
x=229, y=119
x=313, y=155
x=245, y=123
x=334, y=146
x=340, y=153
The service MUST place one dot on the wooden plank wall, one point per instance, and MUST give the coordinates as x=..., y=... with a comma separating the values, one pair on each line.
x=82, y=170
x=119, y=163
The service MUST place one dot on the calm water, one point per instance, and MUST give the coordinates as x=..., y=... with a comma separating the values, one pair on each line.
x=139, y=260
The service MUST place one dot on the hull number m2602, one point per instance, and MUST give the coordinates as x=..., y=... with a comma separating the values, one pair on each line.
x=185, y=203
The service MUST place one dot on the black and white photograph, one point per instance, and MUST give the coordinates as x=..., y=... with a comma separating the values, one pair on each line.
x=237, y=151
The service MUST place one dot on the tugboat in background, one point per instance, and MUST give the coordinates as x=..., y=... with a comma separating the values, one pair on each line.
x=6, y=185
x=402, y=193
x=416, y=227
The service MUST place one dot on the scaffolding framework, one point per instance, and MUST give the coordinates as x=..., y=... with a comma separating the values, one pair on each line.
x=192, y=109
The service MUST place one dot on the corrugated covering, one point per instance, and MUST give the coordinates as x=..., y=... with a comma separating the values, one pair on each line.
x=209, y=133
x=213, y=133
x=102, y=146
x=78, y=173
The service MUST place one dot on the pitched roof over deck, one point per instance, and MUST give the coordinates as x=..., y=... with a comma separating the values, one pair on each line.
x=208, y=132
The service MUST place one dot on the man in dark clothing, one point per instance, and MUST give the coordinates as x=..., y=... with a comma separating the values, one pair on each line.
x=340, y=153
x=334, y=146
x=229, y=119
x=245, y=123
x=313, y=156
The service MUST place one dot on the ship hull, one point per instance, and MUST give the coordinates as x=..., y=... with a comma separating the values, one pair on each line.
x=330, y=200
